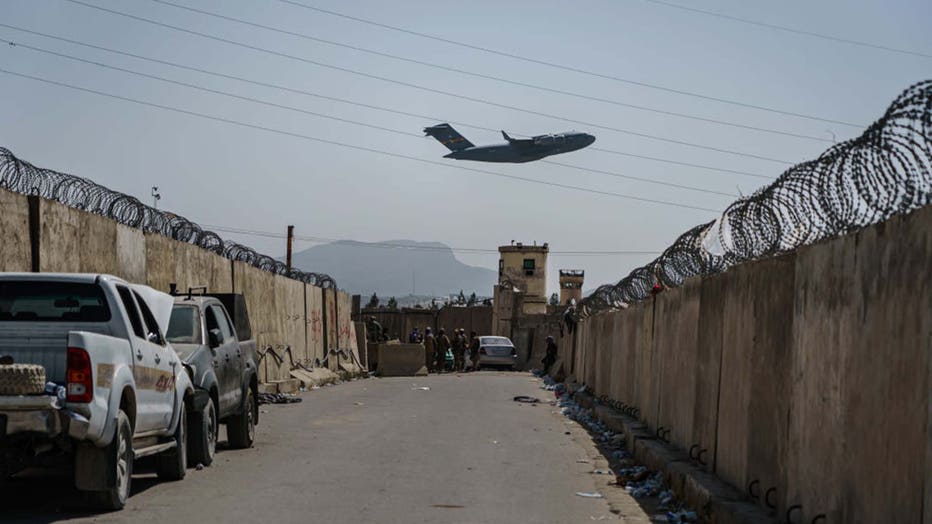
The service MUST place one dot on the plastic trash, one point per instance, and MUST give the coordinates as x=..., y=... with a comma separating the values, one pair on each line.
x=589, y=495
x=421, y=388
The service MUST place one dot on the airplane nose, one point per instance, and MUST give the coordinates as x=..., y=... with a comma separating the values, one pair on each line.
x=589, y=139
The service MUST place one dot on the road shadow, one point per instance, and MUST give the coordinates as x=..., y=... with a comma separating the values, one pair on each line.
x=46, y=495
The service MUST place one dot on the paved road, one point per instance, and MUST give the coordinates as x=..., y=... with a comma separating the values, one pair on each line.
x=375, y=450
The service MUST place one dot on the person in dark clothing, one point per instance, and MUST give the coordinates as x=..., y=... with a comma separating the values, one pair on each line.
x=429, y=349
x=459, y=350
x=373, y=330
x=474, y=350
x=551, y=356
x=415, y=336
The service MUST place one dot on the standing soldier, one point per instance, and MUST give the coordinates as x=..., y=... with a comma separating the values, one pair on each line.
x=442, y=344
x=551, y=356
x=459, y=350
x=373, y=330
x=474, y=350
x=429, y=349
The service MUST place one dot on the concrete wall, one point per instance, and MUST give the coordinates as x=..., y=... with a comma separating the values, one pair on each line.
x=399, y=323
x=287, y=316
x=809, y=373
x=15, y=250
x=315, y=323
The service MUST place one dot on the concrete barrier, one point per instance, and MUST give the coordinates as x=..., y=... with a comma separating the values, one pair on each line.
x=708, y=367
x=675, y=339
x=16, y=254
x=315, y=323
x=60, y=240
x=808, y=375
x=131, y=254
x=401, y=360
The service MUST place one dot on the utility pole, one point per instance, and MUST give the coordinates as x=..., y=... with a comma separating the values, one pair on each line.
x=155, y=197
x=290, y=243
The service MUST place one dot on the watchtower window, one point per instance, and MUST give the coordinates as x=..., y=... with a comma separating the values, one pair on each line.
x=529, y=267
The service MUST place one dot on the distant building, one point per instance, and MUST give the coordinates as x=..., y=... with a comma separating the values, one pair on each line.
x=525, y=268
x=571, y=283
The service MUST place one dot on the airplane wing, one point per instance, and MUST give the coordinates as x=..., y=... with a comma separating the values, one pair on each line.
x=518, y=142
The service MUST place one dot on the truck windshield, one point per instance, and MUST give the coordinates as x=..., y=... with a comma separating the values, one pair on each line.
x=45, y=301
x=184, y=326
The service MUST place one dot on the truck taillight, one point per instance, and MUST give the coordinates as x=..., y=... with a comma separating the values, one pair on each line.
x=80, y=383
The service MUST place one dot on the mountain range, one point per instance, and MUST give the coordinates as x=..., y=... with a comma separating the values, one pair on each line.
x=422, y=268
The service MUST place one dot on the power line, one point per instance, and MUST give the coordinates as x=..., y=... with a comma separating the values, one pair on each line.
x=791, y=29
x=413, y=247
x=492, y=77
x=566, y=67
x=352, y=146
x=359, y=104
x=675, y=162
x=331, y=117
x=428, y=89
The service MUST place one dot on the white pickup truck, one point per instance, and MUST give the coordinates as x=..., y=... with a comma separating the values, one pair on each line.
x=86, y=371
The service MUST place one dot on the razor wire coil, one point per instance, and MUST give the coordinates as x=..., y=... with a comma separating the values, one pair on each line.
x=886, y=171
x=80, y=193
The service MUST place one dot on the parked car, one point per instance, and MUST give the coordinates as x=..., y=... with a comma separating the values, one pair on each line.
x=497, y=351
x=222, y=365
x=86, y=371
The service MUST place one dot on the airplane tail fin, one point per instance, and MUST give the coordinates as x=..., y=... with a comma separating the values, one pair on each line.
x=446, y=135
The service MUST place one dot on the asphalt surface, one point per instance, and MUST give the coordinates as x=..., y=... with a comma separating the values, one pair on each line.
x=376, y=450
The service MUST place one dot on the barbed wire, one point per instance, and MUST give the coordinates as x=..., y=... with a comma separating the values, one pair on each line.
x=80, y=193
x=884, y=172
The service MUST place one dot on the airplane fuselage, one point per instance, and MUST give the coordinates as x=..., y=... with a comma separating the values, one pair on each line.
x=519, y=151
x=514, y=150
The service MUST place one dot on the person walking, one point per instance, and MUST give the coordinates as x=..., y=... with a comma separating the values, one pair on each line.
x=551, y=356
x=442, y=344
x=429, y=349
x=373, y=330
x=474, y=350
x=459, y=350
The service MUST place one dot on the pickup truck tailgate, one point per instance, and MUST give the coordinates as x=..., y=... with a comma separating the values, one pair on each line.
x=43, y=343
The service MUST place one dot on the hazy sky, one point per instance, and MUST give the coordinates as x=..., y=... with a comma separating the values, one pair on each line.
x=220, y=174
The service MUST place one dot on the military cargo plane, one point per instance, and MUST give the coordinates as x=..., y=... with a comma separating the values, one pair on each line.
x=516, y=150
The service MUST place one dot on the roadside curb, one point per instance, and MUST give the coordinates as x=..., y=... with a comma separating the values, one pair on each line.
x=717, y=501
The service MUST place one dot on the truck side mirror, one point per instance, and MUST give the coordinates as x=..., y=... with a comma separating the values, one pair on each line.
x=214, y=338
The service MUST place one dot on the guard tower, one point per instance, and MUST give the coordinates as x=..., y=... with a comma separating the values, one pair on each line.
x=525, y=268
x=571, y=283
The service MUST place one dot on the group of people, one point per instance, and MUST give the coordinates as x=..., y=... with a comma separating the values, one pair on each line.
x=436, y=347
x=435, y=354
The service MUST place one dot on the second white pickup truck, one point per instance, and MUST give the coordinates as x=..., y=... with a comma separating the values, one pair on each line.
x=97, y=380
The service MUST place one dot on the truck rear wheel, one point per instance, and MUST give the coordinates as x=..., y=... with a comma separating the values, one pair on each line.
x=22, y=379
x=173, y=464
x=119, y=456
x=241, y=429
x=202, y=443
